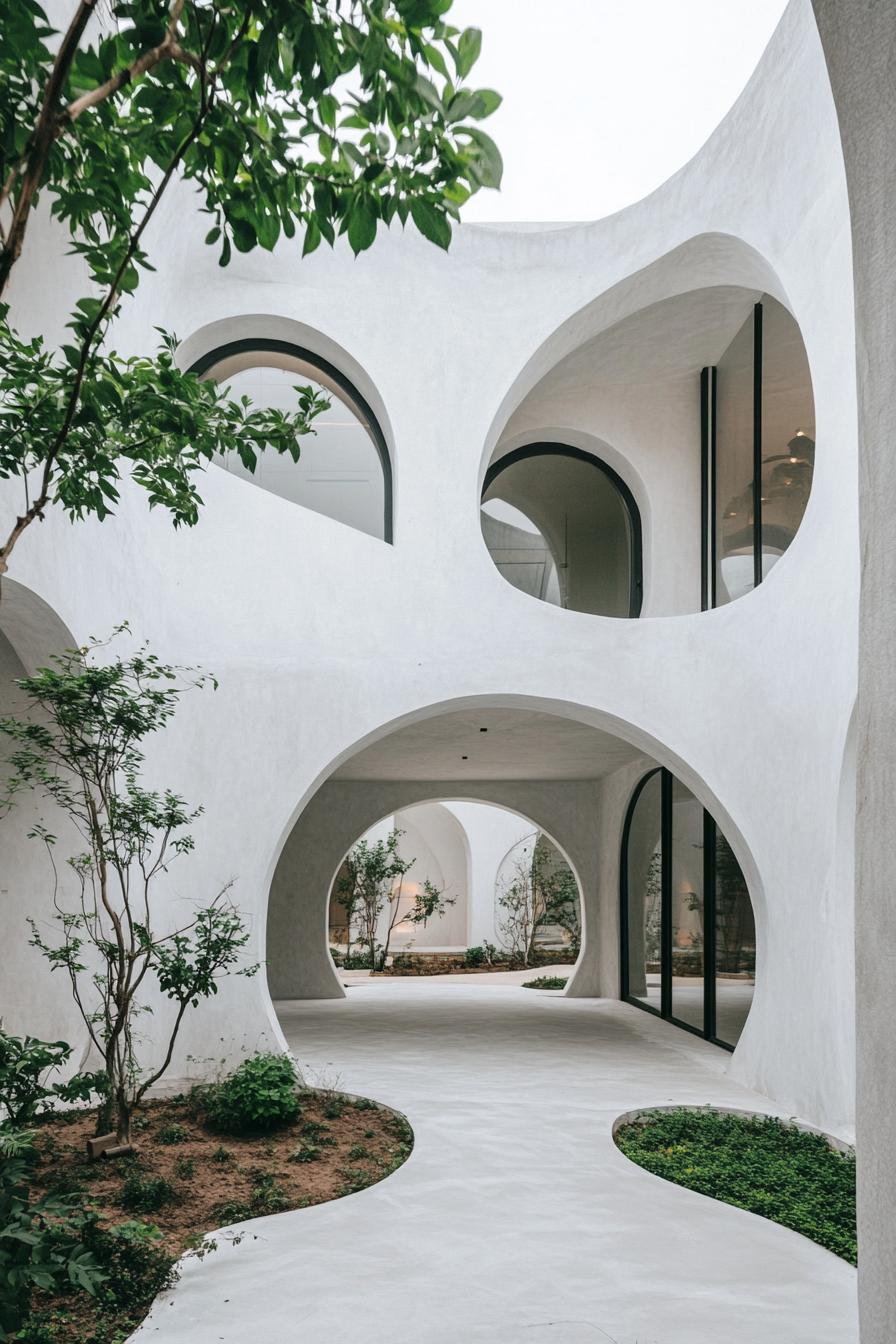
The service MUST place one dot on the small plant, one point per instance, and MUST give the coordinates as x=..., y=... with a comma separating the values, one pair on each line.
x=334, y=1108
x=308, y=1152
x=266, y=1196
x=370, y=1133
x=371, y=883
x=547, y=982
x=355, y=1179
x=364, y=1104
x=185, y=1168
x=315, y=1132
x=261, y=1095
x=41, y=1245
x=146, y=1194
x=222, y=1155
x=173, y=1133
x=474, y=956
x=358, y=1153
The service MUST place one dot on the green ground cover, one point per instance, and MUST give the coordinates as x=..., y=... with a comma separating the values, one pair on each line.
x=762, y=1165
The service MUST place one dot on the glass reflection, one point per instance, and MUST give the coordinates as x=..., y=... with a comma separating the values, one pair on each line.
x=644, y=872
x=734, y=468
x=688, y=933
x=735, y=968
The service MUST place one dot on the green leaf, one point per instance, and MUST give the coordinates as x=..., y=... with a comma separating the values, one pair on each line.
x=431, y=223
x=468, y=48
x=361, y=225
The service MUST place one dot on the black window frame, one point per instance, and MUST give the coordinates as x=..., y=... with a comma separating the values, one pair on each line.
x=636, y=545
x=709, y=556
x=708, y=1032
x=262, y=345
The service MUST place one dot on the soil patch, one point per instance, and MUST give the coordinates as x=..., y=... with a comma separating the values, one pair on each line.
x=186, y=1181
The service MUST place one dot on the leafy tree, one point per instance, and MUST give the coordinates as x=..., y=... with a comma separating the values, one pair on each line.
x=321, y=117
x=372, y=885
x=538, y=891
x=81, y=750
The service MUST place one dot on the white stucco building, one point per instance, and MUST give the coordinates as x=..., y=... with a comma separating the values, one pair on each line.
x=579, y=538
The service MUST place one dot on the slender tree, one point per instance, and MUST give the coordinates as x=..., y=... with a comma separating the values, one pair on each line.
x=539, y=890
x=317, y=117
x=372, y=886
x=80, y=748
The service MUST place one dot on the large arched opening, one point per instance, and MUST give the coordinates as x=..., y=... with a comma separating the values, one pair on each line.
x=570, y=778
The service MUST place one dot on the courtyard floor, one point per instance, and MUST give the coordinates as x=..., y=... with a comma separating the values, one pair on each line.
x=516, y=1219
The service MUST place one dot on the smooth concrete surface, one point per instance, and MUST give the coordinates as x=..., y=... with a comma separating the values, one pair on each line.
x=516, y=1219
x=859, y=41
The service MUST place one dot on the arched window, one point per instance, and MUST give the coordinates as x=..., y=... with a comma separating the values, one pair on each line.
x=688, y=932
x=563, y=526
x=344, y=470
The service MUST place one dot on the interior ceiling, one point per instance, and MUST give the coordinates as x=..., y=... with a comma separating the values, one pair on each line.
x=550, y=487
x=671, y=339
x=517, y=744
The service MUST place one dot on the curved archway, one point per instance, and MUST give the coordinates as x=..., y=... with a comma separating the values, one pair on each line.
x=559, y=765
x=34, y=1003
x=688, y=933
x=588, y=517
x=298, y=957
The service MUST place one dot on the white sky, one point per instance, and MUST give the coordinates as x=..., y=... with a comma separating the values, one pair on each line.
x=605, y=99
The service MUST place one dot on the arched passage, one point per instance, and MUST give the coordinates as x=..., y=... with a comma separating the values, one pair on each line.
x=572, y=779
x=299, y=962
x=510, y=891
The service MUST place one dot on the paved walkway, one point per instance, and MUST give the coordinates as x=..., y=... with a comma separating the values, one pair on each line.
x=516, y=1219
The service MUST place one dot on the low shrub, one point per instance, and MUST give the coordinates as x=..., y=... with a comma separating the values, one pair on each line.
x=136, y=1264
x=173, y=1133
x=261, y=1095
x=474, y=956
x=146, y=1194
x=547, y=982
x=762, y=1165
x=185, y=1168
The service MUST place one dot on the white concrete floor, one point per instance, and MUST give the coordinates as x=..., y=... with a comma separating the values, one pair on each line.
x=516, y=1219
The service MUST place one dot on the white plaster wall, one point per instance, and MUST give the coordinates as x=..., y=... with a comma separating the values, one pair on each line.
x=491, y=833
x=323, y=637
x=436, y=841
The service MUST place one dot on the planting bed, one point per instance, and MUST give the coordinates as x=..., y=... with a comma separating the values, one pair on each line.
x=184, y=1181
x=761, y=1164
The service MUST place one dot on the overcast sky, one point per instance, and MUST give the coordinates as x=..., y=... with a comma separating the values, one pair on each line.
x=604, y=99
